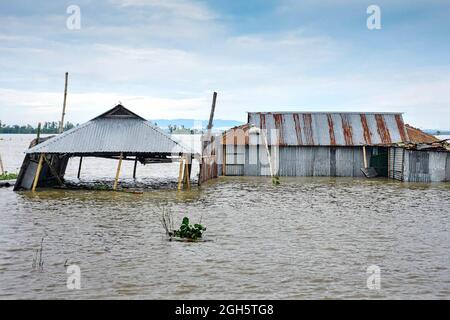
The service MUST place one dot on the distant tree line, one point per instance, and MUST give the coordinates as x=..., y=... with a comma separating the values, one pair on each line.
x=174, y=129
x=47, y=127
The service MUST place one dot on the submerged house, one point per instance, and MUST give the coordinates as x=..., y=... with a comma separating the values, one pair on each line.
x=116, y=134
x=336, y=144
x=424, y=159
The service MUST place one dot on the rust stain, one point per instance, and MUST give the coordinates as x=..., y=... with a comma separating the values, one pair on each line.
x=307, y=119
x=298, y=129
x=262, y=125
x=401, y=128
x=262, y=122
x=383, y=130
x=366, y=131
x=347, y=128
x=278, y=119
x=331, y=130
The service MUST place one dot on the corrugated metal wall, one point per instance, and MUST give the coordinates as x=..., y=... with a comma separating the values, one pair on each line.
x=419, y=166
x=396, y=163
x=295, y=161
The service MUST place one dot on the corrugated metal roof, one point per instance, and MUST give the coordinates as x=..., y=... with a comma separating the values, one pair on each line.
x=330, y=128
x=418, y=136
x=117, y=130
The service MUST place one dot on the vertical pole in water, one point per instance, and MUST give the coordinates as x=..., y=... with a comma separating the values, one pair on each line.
x=38, y=133
x=38, y=172
x=224, y=158
x=365, y=157
x=1, y=165
x=266, y=144
x=389, y=162
x=79, y=168
x=61, y=125
x=205, y=141
x=180, y=174
x=118, y=172
x=186, y=174
x=134, y=169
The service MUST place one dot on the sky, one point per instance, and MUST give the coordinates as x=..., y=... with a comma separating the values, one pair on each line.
x=164, y=58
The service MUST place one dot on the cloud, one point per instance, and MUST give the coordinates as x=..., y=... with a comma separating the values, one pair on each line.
x=164, y=58
x=179, y=8
x=32, y=107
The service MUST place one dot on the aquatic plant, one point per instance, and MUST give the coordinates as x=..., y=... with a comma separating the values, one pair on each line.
x=100, y=186
x=167, y=222
x=188, y=231
x=38, y=262
x=275, y=180
x=8, y=176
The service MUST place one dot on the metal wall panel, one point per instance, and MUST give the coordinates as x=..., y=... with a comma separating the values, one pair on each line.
x=437, y=162
x=321, y=162
x=447, y=168
x=235, y=170
x=305, y=161
x=344, y=162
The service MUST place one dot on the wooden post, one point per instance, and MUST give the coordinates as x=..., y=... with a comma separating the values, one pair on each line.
x=180, y=174
x=134, y=169
x=79, y=168
x=187, y=174
x=365, y=157
x=389, y=162
x=207, y=139
x=266, y=144
x=224, y=162
x=61, y=125
x=38, y=133
x=118, y=171
x=38, y=172
x=1, y=165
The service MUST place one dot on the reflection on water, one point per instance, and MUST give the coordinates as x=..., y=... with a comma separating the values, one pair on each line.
x=307, y=238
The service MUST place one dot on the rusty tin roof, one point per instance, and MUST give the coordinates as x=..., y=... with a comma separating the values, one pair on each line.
x=330, y=128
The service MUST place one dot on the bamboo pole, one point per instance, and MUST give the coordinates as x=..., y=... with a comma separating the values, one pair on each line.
x=38, y=172
x=224, y=157
x=118, y=172
x=134, y=169
x=186, y=174
x=1, y=165
x=38, y=136
x=180, y=174
x=79, y=168
x=61, y=125
x=266, y=144
x=365, y=157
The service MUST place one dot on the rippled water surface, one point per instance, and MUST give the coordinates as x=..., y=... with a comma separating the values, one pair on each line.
x=307, y=238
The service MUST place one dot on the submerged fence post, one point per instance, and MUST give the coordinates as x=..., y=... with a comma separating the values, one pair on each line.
x=118, y=171
x=38, y=172
x=1, y=165
x=187, y=174
x=79, y=168
x=134, y=169
x=180, y=173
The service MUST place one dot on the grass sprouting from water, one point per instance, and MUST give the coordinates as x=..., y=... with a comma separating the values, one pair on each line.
x=8, y=176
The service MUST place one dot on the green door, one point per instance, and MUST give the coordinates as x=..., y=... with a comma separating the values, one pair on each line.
x=379, y=161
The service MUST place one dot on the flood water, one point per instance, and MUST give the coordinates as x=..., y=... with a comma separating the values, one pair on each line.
x=306, y=238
